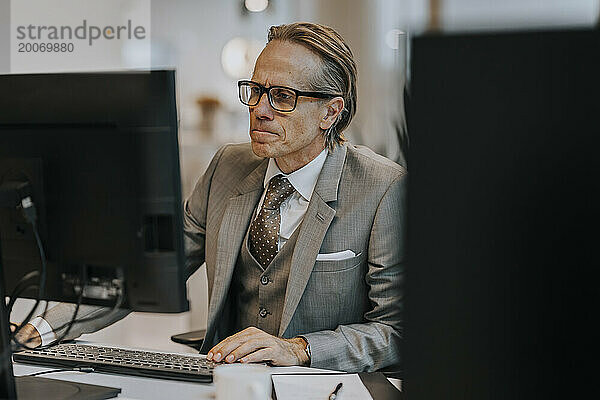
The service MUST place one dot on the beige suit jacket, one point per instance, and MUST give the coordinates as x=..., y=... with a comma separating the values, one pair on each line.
x=348, y=310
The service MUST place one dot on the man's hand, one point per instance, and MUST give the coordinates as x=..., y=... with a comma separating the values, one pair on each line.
x=29, y=336
x=254, y=345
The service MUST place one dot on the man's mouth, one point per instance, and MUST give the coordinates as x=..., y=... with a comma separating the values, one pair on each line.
x=262, y=136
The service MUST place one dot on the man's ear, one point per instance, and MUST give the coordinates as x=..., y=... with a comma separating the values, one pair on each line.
x=332, y=110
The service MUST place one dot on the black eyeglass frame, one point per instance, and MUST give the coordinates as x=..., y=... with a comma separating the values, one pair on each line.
x=267, y=90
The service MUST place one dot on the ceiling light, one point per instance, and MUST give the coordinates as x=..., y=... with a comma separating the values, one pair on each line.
x=239, y=55
x=256, y=5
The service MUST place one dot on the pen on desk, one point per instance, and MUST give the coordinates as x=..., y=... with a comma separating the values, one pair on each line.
x=333, y=394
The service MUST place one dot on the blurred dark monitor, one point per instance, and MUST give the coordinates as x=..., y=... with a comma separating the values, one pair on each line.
x=503, y=214
x=100, y=153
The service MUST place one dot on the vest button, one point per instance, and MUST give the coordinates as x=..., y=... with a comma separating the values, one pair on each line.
x=264, y=280
x=263, y=313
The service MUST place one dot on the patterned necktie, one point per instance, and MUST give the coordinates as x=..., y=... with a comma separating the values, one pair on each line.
x=264, y=230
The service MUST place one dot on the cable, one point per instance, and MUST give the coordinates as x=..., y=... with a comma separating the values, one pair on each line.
x=22, y=281
x=13, y=297
x=43, y=258
x=73, y=321
x=28, y=318
x=30, y=215
x=74, y=369
x=69, y=325
x=20, y=345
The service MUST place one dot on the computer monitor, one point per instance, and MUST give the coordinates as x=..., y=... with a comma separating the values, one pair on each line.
x=502, y=214
x=97, y=153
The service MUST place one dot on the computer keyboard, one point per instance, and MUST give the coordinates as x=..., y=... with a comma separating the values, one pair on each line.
x=121, y=361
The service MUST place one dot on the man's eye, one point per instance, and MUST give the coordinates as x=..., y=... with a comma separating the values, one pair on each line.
x=283, y=96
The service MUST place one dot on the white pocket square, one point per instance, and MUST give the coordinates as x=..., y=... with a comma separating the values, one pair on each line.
x=337, y=256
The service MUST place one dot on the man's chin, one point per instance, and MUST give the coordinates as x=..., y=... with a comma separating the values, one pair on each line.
x=263, y=149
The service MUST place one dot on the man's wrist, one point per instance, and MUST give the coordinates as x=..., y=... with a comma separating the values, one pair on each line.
x=302, y=350
x=44, y=330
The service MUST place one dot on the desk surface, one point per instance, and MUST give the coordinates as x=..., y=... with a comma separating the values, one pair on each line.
x=135, y=387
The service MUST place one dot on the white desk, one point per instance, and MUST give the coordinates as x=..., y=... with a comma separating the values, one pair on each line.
x=133, y=387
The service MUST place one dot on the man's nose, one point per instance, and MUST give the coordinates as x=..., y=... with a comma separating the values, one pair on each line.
x=263, y=109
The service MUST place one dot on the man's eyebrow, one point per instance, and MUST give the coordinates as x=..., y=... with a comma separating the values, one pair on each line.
x=301, y=86
x=268, y=85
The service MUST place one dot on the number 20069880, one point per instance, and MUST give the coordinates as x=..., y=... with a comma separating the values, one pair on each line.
x=45, y=47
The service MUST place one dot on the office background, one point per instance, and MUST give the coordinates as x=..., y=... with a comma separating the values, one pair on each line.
x=212, y=44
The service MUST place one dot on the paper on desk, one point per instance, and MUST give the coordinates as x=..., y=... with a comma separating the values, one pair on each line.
x=318, y=387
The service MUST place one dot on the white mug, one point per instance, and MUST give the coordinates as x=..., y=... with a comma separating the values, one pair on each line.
x=242, y=381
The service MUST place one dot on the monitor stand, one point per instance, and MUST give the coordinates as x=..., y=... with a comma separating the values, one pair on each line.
x=33, y=387
x=28, y=387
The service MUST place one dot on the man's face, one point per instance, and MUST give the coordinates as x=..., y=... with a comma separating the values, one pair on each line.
x=292, y=135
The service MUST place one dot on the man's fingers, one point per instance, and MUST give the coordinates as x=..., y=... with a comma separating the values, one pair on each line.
x=220, y=351
x=261, y=355
x=226, y=346
x=245, y=348
x=254, y=345
x=216, y=353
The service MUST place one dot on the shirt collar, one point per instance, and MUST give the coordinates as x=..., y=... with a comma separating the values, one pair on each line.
x=304, y=179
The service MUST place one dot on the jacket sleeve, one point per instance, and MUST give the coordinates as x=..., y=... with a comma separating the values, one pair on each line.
x=194, y=218
x=59, y=316
x=375, y=343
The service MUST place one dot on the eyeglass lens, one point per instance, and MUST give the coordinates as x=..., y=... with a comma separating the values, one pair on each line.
x=281, y=99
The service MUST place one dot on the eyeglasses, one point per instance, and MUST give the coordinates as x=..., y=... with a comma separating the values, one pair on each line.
x=281, y=98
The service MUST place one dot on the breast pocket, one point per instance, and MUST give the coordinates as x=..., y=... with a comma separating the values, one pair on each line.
x=335, y=294
x=339, y=265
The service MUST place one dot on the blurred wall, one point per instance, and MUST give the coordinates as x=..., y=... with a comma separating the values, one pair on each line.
x=472, y=15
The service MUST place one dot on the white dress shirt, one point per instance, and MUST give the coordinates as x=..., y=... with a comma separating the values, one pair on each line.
x=292, y=210
x=44, y=329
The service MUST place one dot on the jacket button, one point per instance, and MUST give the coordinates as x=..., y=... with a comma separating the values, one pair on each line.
x=263, y=313
x=264, y=280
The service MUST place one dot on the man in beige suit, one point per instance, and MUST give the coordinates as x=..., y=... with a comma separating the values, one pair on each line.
x=301, y=232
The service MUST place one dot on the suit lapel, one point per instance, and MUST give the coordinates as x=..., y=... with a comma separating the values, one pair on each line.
x=314, y=226
x=236, y=218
